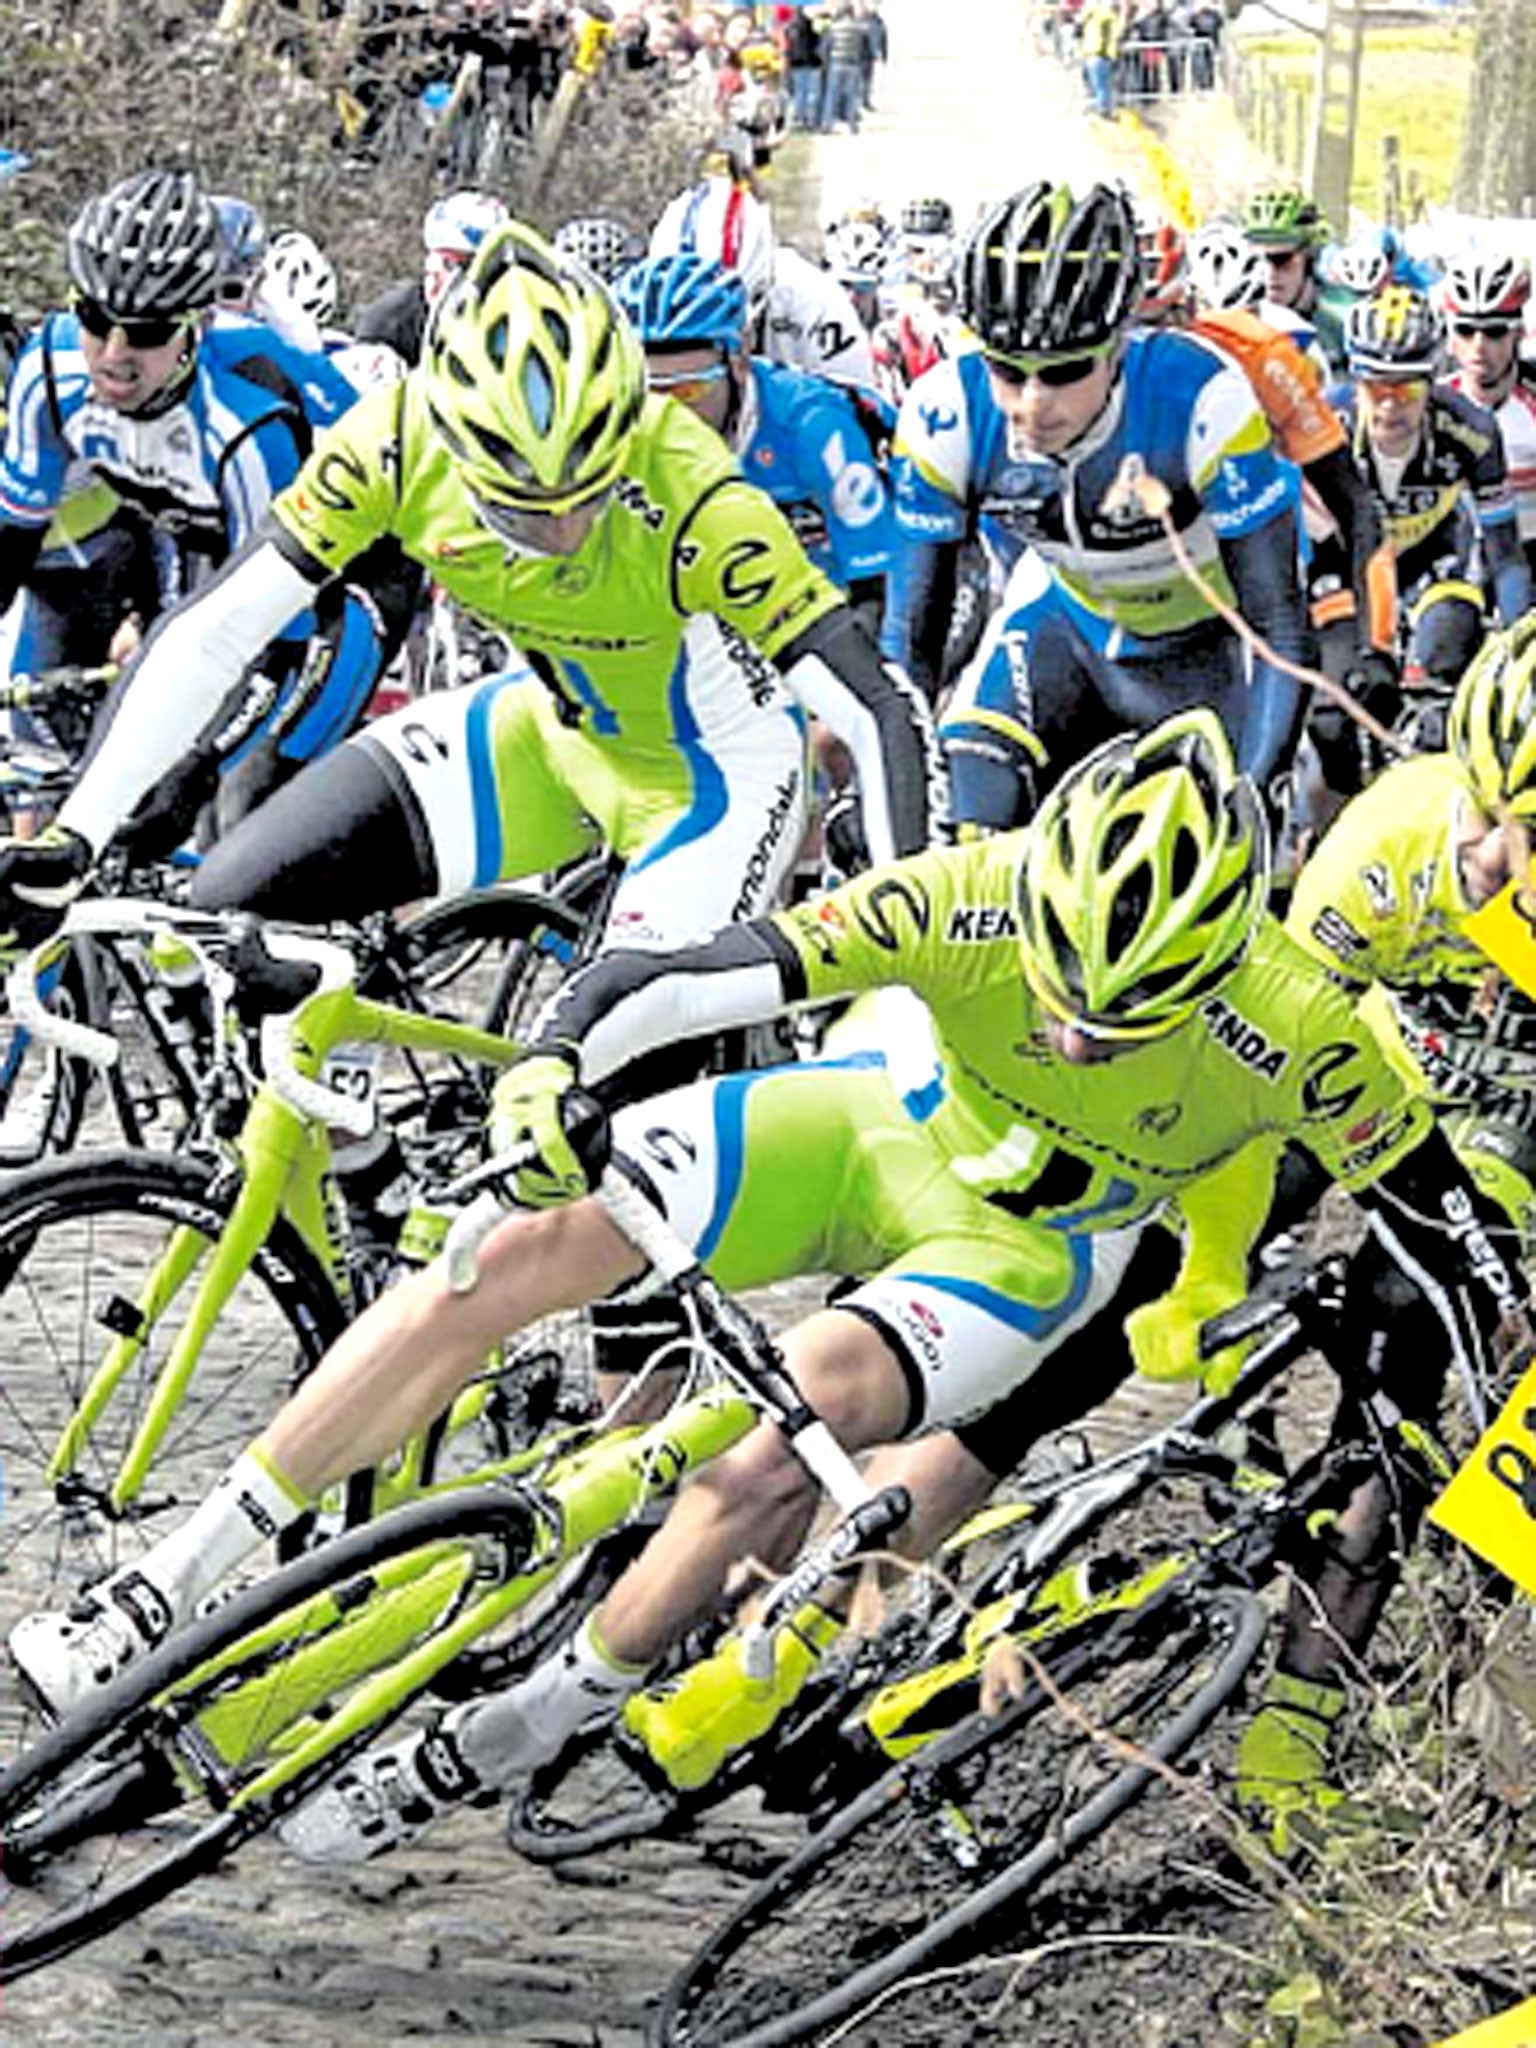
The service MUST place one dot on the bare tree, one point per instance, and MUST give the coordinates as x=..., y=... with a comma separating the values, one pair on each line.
x=1496, y=170
x=311, y=109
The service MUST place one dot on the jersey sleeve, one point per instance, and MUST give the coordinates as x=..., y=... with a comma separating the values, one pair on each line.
x=1305, y=426
x=1231, y=458
x=882, y=929
x=344, y=498
x=931, y=457
x=852, y=492
x=1359, y=1114
x=737, y=558
x=34, y=458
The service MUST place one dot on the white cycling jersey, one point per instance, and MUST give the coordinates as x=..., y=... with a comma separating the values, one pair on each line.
x=811, y=323
x=1517, y=428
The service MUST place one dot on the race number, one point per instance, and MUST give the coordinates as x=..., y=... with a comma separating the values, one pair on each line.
x=1490, y=1505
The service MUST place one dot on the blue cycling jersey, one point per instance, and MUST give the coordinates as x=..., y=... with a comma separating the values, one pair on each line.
x=803, y=441
x=201, y=469
x=1179, y=408
x=204, y=468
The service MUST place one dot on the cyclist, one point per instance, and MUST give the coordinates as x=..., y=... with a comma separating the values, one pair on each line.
x=1351, y=574
x=452, y=229
x=671, y=625
x=1031, y=438
x=295, y=291
x=1287, y=228
x=1115, y=960
x=196, y=423
x=810, y=445
x=1434, y=463
x=860, y=250
x=797, y=313
x=921, y=326
x=1483, y=299
x=1382, y=904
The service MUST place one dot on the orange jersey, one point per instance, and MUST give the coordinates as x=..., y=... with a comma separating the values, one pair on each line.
x=1304, y=425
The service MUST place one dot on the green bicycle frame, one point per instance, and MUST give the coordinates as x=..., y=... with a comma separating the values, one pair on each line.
x=381, y=1639
x=286, y=1162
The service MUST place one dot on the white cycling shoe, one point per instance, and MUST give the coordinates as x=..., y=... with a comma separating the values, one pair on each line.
x=63, y=1656
x=386, y=1798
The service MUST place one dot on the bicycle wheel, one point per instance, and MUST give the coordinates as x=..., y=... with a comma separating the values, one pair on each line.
x=948, y=1843
x=78, y=1242
x=236, y=1719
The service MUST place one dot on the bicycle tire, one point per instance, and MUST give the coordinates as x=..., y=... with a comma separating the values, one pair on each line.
x=872, y=1898
x=84, y=1809
x=77, y=1240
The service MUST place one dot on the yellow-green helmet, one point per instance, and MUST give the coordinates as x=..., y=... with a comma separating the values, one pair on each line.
x=1144, y=874
x=532, y=375
x=1492, y=729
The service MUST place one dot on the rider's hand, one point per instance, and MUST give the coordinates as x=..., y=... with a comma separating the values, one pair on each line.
x=1164, y=1335
x=845, y=850
x=39, y=879
x=535, y=1104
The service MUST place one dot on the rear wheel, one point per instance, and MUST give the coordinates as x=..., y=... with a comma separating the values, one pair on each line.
x=946, y=1845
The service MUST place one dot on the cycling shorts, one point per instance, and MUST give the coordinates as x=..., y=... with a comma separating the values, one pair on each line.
x=827, y=1168
x=504, y=790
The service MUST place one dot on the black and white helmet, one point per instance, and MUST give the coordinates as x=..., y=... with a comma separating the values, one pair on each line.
x=150, y=245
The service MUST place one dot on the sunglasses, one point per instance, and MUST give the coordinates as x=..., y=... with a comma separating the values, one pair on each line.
x=99, y=321
x=686, y=386
x=1496, y=330
x=1055, y=376
x=1395, y=387
x=1279, y=258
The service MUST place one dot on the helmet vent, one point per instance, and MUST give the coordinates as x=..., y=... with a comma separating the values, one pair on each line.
x=559, y=331
x=496, y=343
x=538, y=393
x=1063, y=954
x=1128, y=913
x=1184, y=861
x=1119, y=836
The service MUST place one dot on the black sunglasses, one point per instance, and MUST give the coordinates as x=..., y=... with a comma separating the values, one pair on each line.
x=1055, y=376
x=98, y=321
x=1463, y=329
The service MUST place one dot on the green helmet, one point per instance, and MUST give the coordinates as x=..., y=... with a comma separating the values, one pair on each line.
x=532, y=375
x=1145, y=873
x=1492, y=728
x=1283, y=217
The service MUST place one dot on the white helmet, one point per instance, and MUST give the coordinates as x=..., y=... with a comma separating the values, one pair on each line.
x=721, y=221
x=1482, y=287
x=452, y=231
x=1225, y=268
x=297, y=274
x=859, y=250
x=457, y=225
x=1361, y=267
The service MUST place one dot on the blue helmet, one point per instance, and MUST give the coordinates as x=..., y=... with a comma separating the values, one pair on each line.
x=685, y=300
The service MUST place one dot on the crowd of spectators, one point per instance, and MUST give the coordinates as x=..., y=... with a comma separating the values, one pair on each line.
x=1135, y=49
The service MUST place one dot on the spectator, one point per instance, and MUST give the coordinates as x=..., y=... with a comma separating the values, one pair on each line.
x=802, y=50
x=877, y=47
x=1099, y=30
x=1206, y=22
x=843, y=91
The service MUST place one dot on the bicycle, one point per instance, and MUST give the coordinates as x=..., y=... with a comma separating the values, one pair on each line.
x=945, y=1846
x=238, y=1717
x=155, y=1303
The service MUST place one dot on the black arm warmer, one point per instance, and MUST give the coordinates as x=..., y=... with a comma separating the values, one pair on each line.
x=1267, y=585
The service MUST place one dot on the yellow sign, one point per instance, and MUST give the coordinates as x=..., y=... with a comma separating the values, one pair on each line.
x=1505, y=930
x=1490, y=1505
x=1516, y=2029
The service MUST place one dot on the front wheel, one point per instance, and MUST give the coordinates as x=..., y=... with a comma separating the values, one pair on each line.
x=947, y=1844
x=99, y=1258
x=237, y=1718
